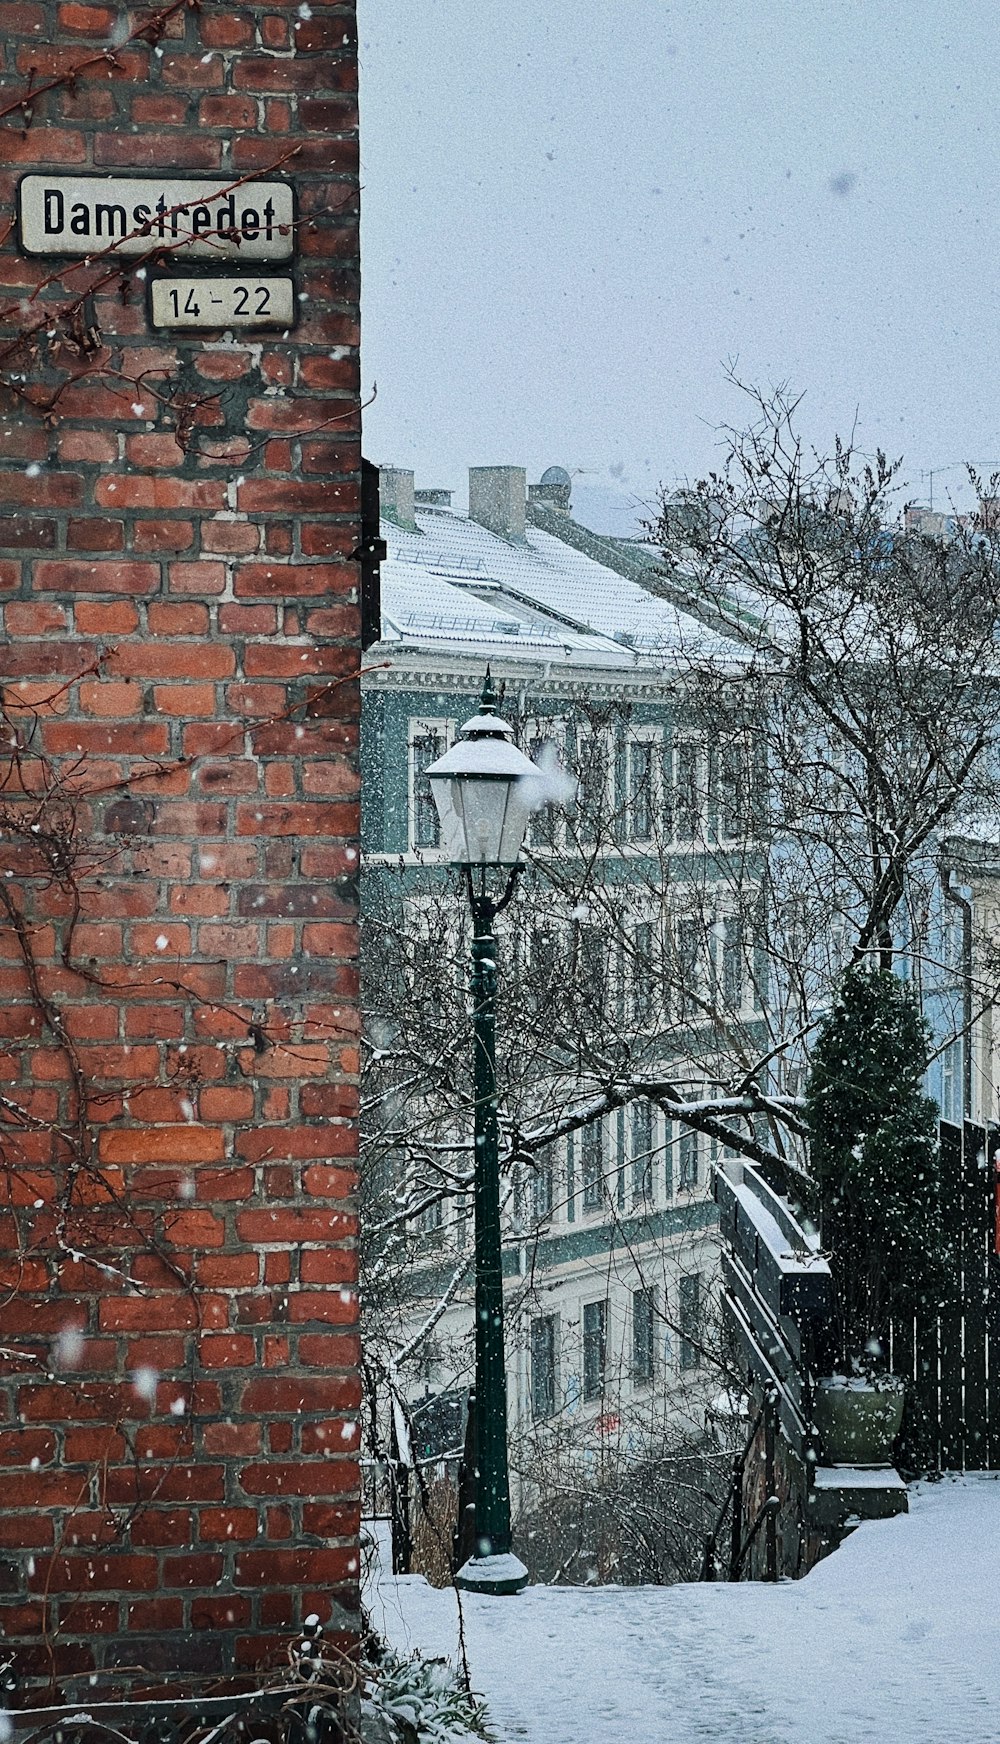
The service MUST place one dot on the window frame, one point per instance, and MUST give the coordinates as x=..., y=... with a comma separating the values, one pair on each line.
x=733, y=969
x=549, y=1376
x=646, y=1194
x=595, y=1376
x=546, y=1164
x=593, y=1187
x=644, y=973
x=688, y=1147
x=644, y=1372
x=651, y=740
x=419, y=727
x=604, y=826
x=689, y=1304
x=683, y=742
x=543, y=730
x=741, y=745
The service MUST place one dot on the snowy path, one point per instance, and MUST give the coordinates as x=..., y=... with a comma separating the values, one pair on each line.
x=893, y=1640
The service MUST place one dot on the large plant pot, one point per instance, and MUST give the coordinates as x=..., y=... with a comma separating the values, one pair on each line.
x=858, y=1420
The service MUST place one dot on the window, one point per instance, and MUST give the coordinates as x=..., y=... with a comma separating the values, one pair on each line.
x=761, y=968
x=643, y=973
x=687, y=791
x=642, y=1151
x=689, y=944
x=542, y=1184
x=732, y=962
x=951, y=1081
x=690, y=1320
x=543, y=962
x=687, y=1151
x=592, y=1165
x=639, y=822
x=594, y=766
x=595, y=1348
x=431, y=1219
x=643, y=1334
x=543, y=1366
x=668, y=1161
x=953, y=942
x=543, y=823
x=735, y=789
x=592, y=965
x=428, y=741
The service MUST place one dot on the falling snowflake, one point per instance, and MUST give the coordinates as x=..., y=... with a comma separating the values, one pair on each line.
x=144, y=1382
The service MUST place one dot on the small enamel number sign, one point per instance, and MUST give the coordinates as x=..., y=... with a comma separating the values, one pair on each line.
x=223, y=302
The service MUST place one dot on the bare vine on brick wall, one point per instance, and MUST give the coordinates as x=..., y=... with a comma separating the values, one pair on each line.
x=50, y=847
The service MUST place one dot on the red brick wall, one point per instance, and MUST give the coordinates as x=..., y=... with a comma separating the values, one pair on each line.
x=178, y=847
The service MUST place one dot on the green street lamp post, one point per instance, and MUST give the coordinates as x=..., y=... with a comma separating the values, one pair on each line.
x=482, y=788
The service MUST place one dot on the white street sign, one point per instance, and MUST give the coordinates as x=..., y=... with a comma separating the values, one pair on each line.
x=223, y=302
x=193, y=219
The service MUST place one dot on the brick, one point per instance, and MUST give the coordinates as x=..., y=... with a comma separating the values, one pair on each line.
x=123, y=150
x=226, y=31
x=56, y=490
x=97, y=577
x=262, y=73
x=163, y=535
x=198, y=578
x=106, y=698
x=288, y=1225
x=185, y=700
x=90, y=1573
x=173, y=660
x=296, y=820
x=23, y=618
x=188, y=1144
x=236, y=112
x=78, y=20
x=156, y=1614
x=22, y=533
x=124, y=492
x=237, y=538
x=162, y=111
x=116, y=618
x=165, y=618
x=223, y=1612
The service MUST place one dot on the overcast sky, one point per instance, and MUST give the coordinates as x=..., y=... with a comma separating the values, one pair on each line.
x=576, y=215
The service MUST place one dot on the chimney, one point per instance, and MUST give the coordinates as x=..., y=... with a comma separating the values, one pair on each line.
x=496, y=499
x=395, y=485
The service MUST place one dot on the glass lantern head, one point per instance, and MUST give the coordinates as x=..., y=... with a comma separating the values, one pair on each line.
x=482, y=788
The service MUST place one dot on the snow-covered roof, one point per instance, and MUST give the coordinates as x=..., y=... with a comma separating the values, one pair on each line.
x=452, y=583
x=420, y=606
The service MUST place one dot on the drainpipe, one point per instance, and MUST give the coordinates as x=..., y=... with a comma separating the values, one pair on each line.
x=962, y=903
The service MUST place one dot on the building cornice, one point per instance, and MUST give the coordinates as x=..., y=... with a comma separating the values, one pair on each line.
x=414, y=670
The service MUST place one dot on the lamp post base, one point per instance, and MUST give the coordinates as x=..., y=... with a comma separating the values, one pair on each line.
x=492, y=1574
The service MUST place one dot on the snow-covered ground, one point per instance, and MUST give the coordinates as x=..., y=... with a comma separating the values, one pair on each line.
x=895, y=1639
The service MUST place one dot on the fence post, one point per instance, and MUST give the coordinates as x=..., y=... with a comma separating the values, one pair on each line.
x=771, y=1526
x=736, y=1540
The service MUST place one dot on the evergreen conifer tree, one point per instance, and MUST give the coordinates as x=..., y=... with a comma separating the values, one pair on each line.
x=874, y=1150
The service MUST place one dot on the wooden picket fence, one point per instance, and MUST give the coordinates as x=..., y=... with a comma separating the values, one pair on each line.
x=951, y=1355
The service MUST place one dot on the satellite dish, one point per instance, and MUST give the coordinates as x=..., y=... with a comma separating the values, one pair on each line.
x=553, y=489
